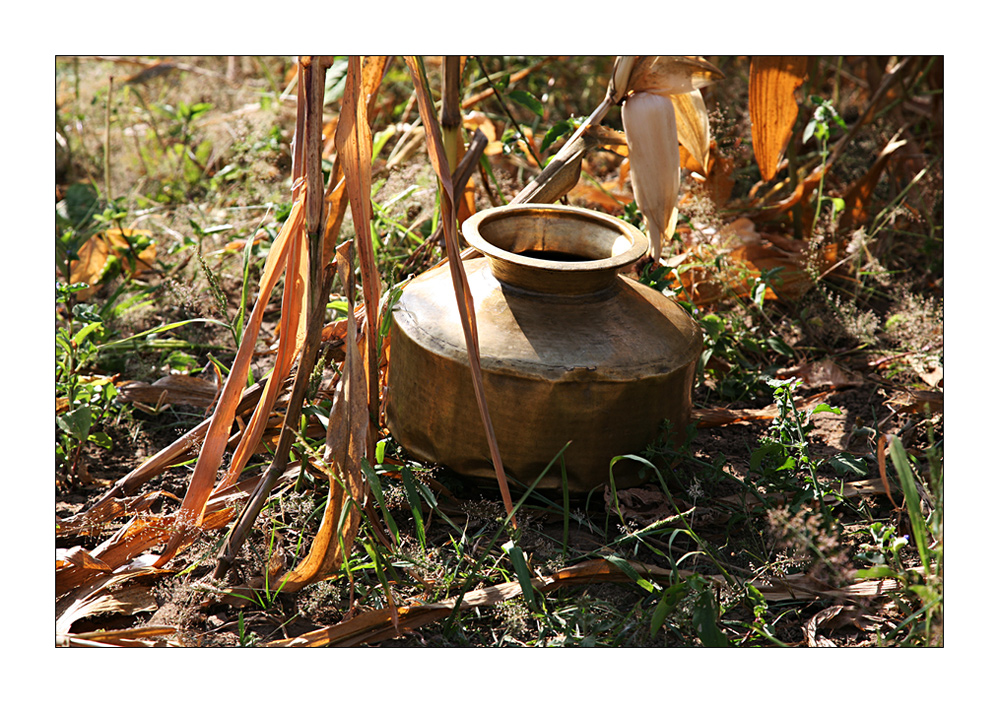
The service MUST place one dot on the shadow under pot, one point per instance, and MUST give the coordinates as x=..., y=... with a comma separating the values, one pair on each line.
x=572, y=351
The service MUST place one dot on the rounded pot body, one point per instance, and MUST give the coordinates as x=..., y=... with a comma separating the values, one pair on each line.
x=575, y=357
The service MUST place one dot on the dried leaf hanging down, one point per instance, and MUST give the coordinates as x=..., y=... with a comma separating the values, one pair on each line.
x=773, y=108
x=692, y=127
x=354, y=145
x=372, y=70
x=462, y=294
x=346, y=447
x=285, y=255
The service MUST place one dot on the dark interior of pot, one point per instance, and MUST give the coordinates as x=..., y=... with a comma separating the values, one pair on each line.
x=555, y=235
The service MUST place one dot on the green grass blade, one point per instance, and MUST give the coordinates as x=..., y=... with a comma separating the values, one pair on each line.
x=376, y=486
x=909, y=485
x=413, y=497
x=517, y=559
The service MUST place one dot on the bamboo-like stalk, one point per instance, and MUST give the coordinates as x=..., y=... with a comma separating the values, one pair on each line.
x=312, y=81
x=462, y=295
x=451, y=113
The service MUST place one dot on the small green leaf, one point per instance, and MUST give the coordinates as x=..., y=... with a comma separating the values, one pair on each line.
x=846, y=463
x=77, y=422
x=879, y=571
x=624, y=566
x=101, y=439
x=669, y=600
x=704, y=616
x=558, y=130
x=779, y=345
x=826, y=408
x=376, y=486
x=713, y=325
x=528, y=101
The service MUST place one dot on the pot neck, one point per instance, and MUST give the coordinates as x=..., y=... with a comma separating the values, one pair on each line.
x=554, y=249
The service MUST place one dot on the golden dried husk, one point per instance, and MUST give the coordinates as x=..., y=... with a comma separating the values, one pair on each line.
x=654, y=158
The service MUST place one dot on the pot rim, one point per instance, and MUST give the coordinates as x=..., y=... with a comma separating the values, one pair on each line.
x=639, y=242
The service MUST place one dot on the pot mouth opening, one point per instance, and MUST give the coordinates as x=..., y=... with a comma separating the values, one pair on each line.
x=555, y=237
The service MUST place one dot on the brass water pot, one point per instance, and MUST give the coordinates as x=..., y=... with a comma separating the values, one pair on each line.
x=571, y=351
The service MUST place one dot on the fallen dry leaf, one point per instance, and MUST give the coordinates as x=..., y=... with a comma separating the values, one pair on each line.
x=99, y=249
x=643, y=504
x=173, y=389
x=825, y=372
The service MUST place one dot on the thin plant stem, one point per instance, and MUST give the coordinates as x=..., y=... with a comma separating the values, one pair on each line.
x=107, y=140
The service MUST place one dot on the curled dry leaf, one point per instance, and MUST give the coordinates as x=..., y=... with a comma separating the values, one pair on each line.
x=345, y=448
x=110, y=595
x=668, y=75
x=773, y=108
x=477, y=120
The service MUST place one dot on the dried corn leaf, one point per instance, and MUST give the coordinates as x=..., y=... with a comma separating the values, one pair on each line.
x=666, y=75
x=372, y=70
x=354, y=145
x=111, y=595
x=346, y=447
x=136, y=637
x=859, y=194
x=703, y=286
x=608, y=195
x=773, y=108
x=719, y=171
x=477, y=120
x=692, y=127
x=284, y=253
x=715, y=417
